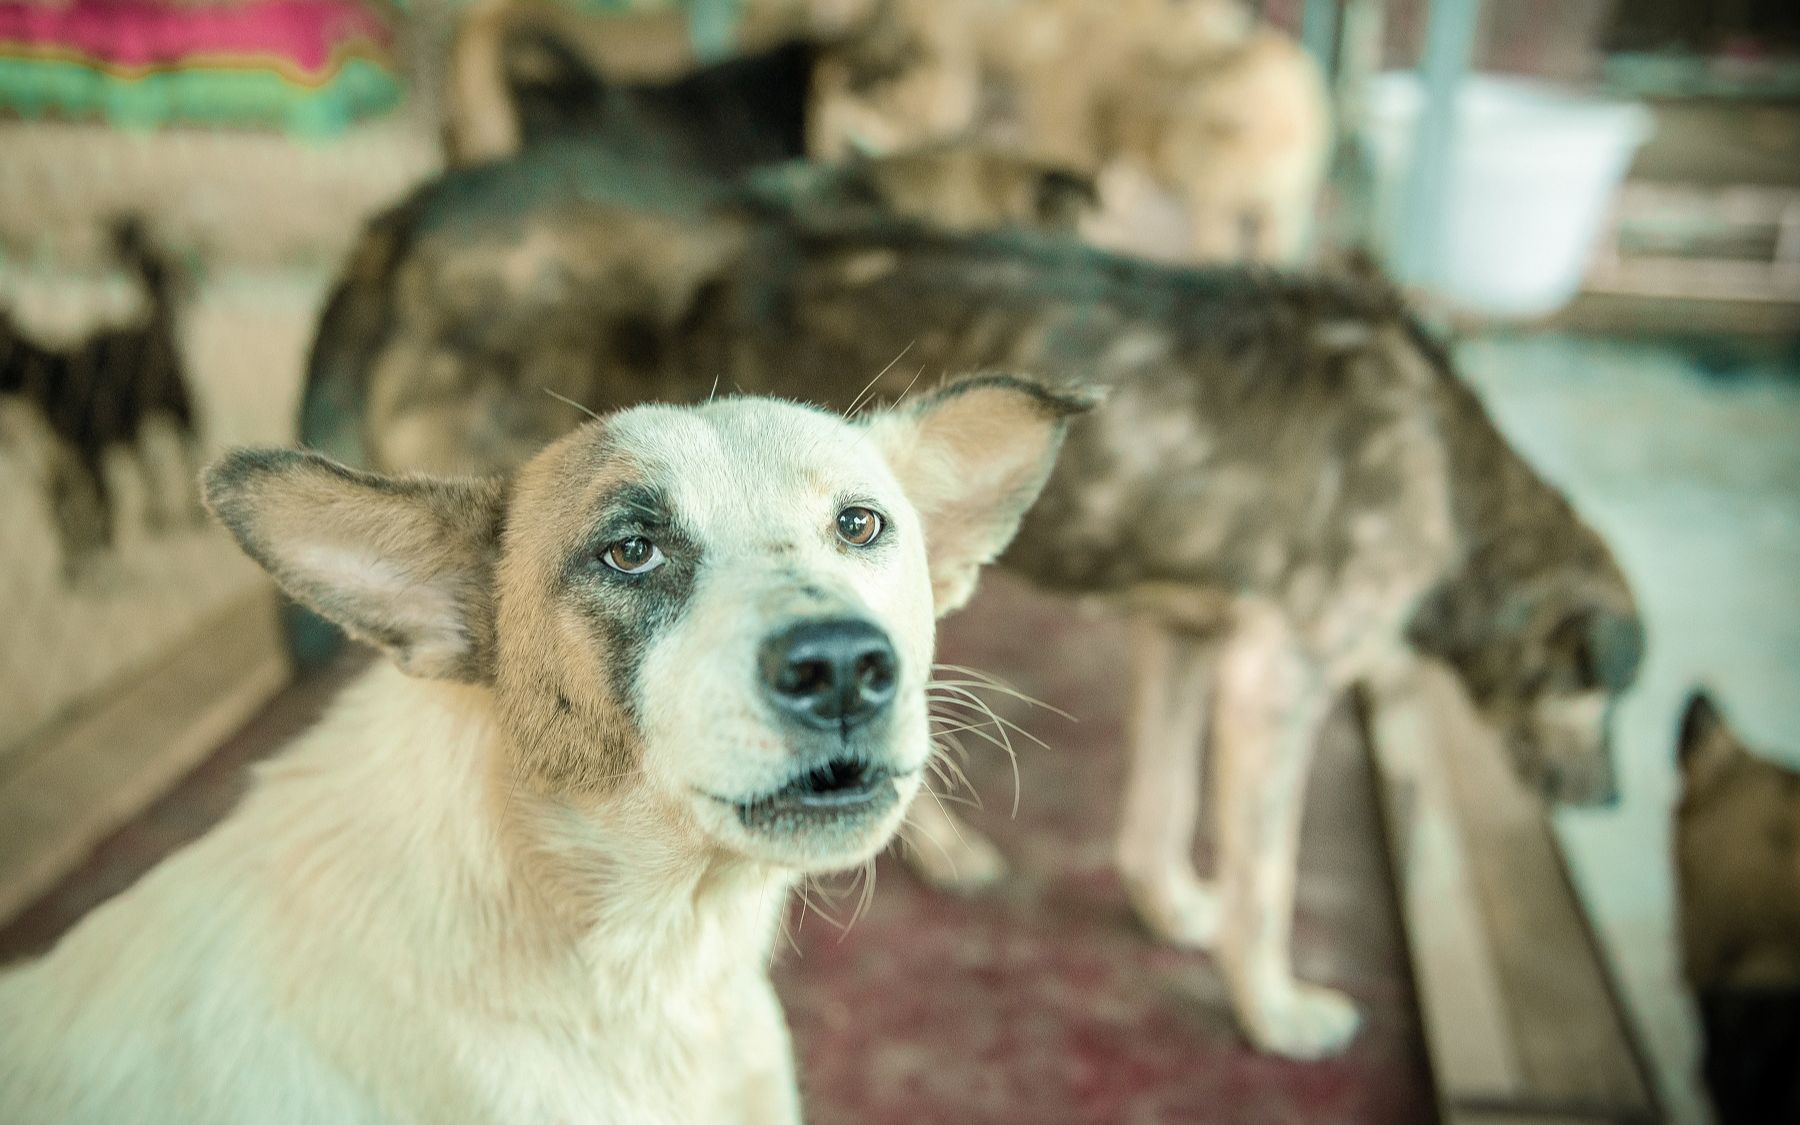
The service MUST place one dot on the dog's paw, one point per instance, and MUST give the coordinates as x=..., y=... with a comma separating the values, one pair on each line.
x=1308, y=1022
x=1178, y=907
x=962, y=862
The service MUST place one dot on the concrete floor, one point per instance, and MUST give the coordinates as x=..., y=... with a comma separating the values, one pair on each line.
x=1688, y=461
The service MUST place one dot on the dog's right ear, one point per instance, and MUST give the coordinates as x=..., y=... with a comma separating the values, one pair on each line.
x=973, y=456
x=406, y=564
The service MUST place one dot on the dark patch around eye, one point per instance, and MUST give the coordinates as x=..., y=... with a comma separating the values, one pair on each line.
x=626, y=611
x=628, y=619
x=639, y=506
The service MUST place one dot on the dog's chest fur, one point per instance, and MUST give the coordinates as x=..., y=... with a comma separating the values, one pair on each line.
x=372, y=874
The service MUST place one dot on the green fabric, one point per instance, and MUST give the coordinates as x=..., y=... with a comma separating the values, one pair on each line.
x=34, y=87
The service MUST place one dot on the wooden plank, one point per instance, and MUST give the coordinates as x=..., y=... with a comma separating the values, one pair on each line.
x=1521, y=1019
x=1467, y=1026
x=78, y=783
x=1460, y=1116
x=1571, y=1036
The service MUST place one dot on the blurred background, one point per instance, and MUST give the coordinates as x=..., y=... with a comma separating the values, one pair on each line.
x=1599, y=200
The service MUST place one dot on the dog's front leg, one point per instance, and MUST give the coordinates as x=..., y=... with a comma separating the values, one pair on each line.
x=1273, y=700
x=771, y=1093
x=1172, y=682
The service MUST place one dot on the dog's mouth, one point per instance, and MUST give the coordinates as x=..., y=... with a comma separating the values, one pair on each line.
x=839, y=792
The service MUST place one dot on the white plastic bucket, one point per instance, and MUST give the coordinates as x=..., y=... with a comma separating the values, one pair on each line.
x=1531, y=178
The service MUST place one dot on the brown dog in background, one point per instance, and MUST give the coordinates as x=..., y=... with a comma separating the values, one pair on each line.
x=1189, y=100
x=1187, y=107
x=1288, y=489
x=1737, y=853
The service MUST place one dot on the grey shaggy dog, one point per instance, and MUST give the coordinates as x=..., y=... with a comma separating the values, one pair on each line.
x=1288, y=488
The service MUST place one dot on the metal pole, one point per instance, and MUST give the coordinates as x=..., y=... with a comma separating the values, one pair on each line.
x=1449, y=47
x=1319, y=31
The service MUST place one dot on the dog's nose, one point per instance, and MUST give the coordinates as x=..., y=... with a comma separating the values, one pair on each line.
x=832, y=675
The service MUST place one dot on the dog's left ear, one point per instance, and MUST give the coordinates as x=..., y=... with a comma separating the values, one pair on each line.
x=406, y=564
x=973, y=456
x=1706, y=746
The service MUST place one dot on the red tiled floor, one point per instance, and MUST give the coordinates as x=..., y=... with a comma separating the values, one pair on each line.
x=1040, y=1001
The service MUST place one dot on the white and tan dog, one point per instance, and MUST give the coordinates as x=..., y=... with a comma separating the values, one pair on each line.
x=534, y=871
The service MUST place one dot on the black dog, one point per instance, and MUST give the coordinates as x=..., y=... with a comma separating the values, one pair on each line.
x=100, y=394
x=723, y=119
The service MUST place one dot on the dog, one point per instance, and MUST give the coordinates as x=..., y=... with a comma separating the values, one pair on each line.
x=1288, y=489
x=1737, y=862
x=107, y=393
x=521, y=70
x=1189, y=100
x=1152, y=101
x=534, y=870
x=530, y=77
x=723, y=118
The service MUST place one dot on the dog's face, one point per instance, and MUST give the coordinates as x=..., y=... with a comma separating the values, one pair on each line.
x=1546, y=666
x=725, y=612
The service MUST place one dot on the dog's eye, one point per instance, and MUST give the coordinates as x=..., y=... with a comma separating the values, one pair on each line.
x=858, y=526
x=632, y=556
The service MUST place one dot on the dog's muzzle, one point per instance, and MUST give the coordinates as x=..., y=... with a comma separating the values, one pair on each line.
x=841, y=790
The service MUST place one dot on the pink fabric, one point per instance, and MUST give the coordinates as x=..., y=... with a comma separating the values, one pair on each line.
x=130, y=34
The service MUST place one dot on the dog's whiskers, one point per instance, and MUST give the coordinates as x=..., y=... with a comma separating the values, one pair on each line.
x=857, y=402
x=980, y=679
x=955, y=703
x=952, y=822
x=912, y=843
x=966, y=700
x=867, y=897
x=571, y=402
x=806, y=899
x=781, y=924
x=948, y=740
x=969, y=700
x=909, y=386
x=953, y=777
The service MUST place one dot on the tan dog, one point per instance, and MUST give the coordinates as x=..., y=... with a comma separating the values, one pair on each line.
x=1208, y=133
x=503, y=45
x=534, y=871
x=1189, y=100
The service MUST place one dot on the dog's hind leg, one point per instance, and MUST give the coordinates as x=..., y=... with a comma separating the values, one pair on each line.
x=1273, y=700
x=1172, y=683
